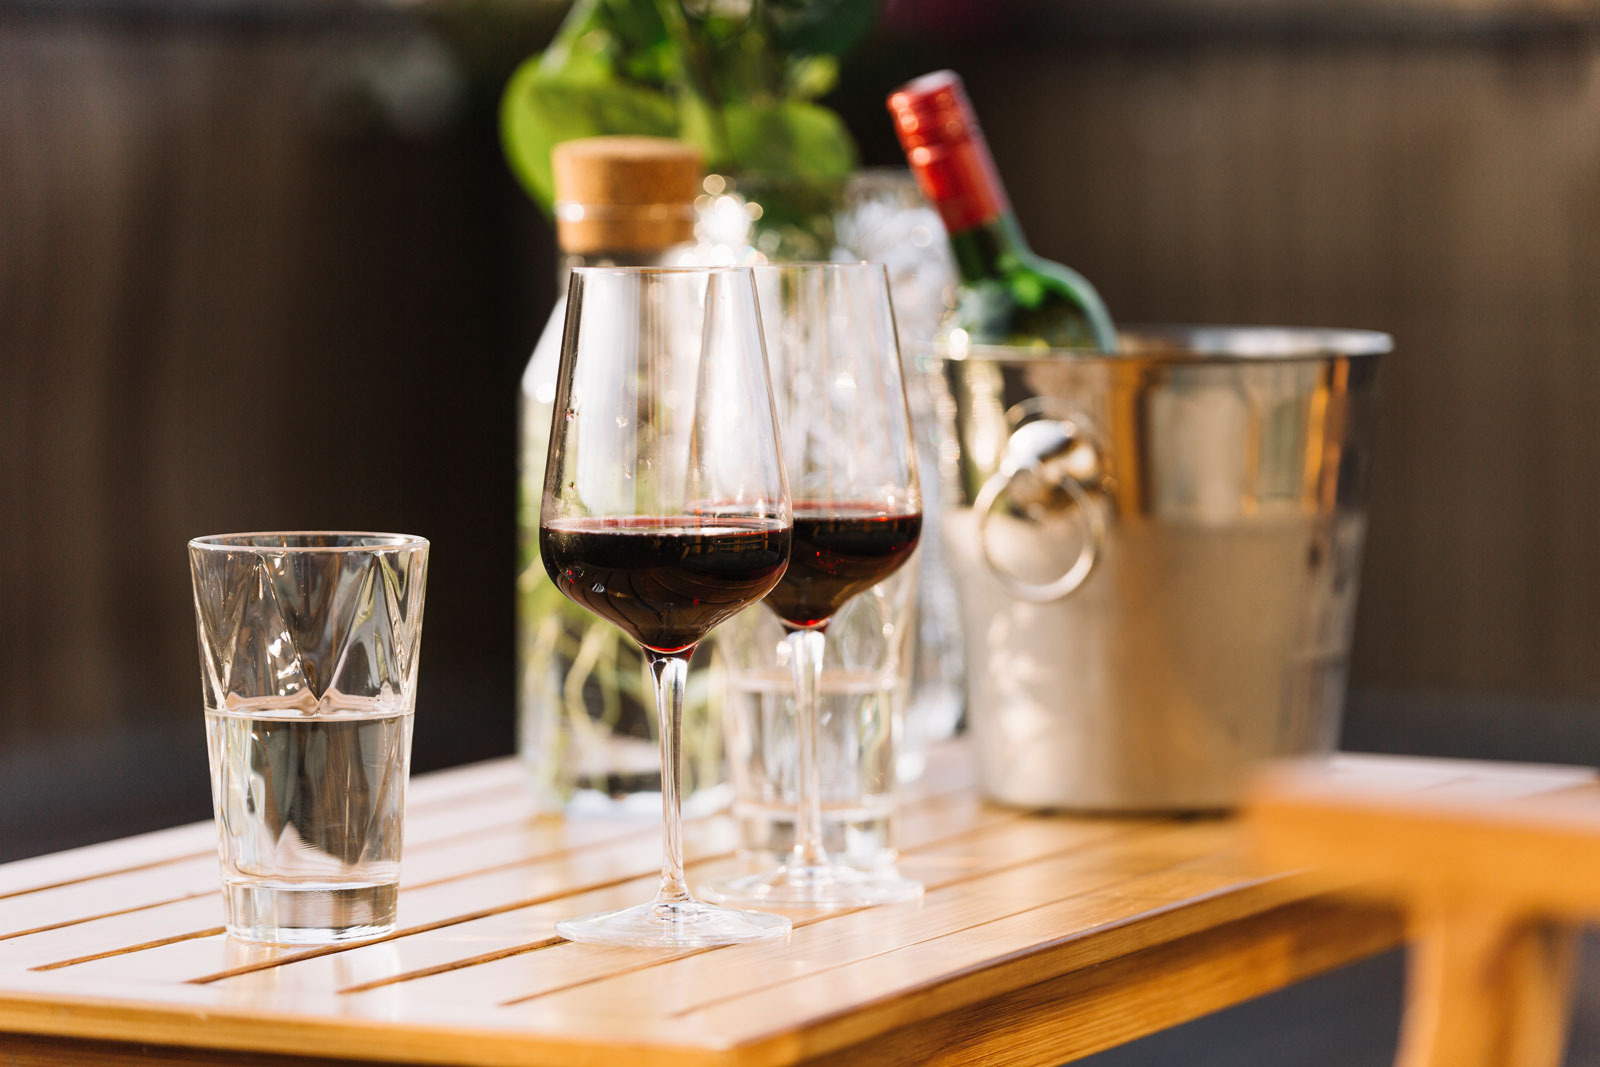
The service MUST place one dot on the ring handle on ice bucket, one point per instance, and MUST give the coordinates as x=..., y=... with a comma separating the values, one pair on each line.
x=1030, y=451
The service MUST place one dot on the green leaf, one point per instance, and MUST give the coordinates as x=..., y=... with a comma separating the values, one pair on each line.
x=791, y=139
x=820, y=27
x=642, y=49
x=698, y=125
x=540, y=110
x=601, y=40
x=654, y=64
x=809, y=77
x=637, y=23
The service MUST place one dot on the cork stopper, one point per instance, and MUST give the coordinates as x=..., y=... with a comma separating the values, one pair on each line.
x=624, y=193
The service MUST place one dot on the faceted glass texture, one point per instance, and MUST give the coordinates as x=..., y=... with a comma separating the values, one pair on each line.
x=309, y=622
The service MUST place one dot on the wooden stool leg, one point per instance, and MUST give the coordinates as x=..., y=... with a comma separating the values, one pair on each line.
x=1486, y=988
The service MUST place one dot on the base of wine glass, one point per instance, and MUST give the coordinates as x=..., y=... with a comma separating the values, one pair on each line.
x=676, y=924
x=830, y=886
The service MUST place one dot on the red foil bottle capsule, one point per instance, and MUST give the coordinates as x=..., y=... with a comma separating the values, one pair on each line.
x=947, y=151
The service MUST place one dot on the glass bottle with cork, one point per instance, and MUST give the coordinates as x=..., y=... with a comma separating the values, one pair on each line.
x=586, y=718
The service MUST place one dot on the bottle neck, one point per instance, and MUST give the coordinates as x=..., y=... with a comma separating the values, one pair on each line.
x=623, y=257
x=956, y=172
x=989, y=249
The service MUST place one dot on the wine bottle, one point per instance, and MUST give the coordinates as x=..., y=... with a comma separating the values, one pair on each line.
x=584, y=721
x=1008, y=294
x=620, y=202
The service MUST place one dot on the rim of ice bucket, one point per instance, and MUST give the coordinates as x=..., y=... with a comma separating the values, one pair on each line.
x=247, y=542
x=1195, y=344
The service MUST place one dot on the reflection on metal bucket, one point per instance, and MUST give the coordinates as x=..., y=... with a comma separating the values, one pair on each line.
x=1157, y=554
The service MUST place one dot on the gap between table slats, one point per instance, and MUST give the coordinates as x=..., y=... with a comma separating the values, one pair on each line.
x=467, y=870
x=66, y=906
x=572, y=966
x=150, y=887
x=512, y=932
x=192, y=840
x=63, y=903
x=446, y=904
x=669, y=987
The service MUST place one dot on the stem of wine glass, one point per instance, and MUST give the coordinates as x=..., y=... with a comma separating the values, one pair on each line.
x=806, y=648
x=671, y=672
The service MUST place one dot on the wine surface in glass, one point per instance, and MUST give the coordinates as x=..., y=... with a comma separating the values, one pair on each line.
x=666, y=582
x=839, y=550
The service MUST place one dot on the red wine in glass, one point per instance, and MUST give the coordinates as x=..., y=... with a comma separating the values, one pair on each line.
x=840, y=549
x=666, y=582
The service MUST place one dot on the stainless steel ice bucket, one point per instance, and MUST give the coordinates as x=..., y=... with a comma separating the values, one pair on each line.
x=1157, y=554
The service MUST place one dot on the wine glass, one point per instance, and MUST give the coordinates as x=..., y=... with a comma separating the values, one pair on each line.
x=848, y=451
x=665, y=512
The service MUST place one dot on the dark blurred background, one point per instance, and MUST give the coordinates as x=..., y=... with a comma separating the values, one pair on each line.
x=262, y=266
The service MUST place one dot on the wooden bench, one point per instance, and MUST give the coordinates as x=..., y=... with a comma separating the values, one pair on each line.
x=1495, y=866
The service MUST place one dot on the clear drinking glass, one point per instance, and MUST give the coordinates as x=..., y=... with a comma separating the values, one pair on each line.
x=862, y=708
x=883, y=216
x=665, y=512
x=308, y=660
x=848, y=451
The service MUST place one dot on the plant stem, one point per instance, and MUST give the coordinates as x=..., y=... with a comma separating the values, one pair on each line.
x=700, y=80
x=773, y=63
x=579, y=20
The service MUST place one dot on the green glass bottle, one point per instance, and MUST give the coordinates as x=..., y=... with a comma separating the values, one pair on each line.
x=1008, y=294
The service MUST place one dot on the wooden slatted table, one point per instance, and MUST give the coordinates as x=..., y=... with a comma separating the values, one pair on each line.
x=1041, y=939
